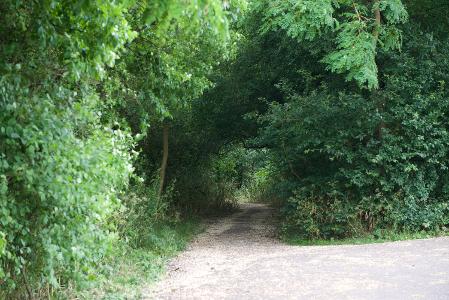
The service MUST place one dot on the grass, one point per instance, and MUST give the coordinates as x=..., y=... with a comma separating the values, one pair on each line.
x=128, y=270
x=291, y=239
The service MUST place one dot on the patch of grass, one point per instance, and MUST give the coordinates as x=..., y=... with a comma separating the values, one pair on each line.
x=128, y=270
x=384, y=237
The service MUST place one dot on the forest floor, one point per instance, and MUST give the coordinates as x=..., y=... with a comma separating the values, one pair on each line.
x=240, y=257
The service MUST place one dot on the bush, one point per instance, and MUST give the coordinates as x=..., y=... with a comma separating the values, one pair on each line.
x=141, y=211
x=60, y=173
x=207, y=187
x=363, y=162
x=60, y=166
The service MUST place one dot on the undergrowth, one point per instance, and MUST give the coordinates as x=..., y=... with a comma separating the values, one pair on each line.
x=294, y=239
x=127, y=271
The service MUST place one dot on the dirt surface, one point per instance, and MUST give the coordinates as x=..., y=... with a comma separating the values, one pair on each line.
x=239, y=257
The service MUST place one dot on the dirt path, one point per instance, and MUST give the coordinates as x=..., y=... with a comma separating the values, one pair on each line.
x=239, y=257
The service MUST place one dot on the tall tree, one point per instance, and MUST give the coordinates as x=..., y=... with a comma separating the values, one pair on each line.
x=354, y=26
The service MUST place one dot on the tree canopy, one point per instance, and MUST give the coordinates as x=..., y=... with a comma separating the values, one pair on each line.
x=337, y=110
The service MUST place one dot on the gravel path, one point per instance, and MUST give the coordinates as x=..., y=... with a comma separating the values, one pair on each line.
x=239, y=257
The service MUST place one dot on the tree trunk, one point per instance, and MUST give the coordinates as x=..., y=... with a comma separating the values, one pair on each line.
x=378, y=20
x=369, y=217
x=380, y=106
x=164, y=159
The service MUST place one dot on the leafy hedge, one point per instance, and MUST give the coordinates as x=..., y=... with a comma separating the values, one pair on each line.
x=368, y=161
x=61, y=171
x=70, y=121
x=61, y=167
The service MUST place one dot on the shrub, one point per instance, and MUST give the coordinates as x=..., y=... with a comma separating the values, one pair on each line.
x=60, y=173
x=371, y=161
x=60, y=166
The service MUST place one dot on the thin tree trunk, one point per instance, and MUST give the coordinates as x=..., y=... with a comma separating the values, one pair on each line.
x=27, y=286
x=378, y=20
x=164, y=159
x=369, y=217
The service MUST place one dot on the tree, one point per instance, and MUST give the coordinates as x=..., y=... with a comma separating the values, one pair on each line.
x=70, y=71
x=60, y=169
x=353, y=108
x=169, y=63
x=355, y=27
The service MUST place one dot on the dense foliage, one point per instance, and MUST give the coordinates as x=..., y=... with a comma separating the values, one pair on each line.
x=61, y=168
x=361, y=152
x=80, y=82
x=118, y=118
